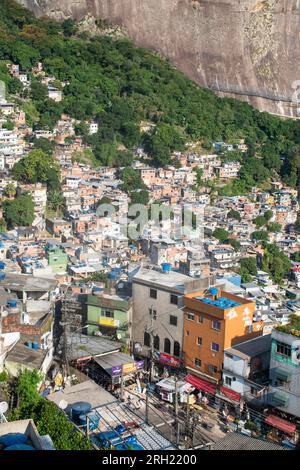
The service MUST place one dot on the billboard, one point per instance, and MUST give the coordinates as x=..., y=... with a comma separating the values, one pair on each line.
x=166, y=359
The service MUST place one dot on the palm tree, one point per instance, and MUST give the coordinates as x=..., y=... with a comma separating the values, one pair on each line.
x=56, y=201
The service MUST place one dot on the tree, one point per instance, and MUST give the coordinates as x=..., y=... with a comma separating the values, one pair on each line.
x=234, y=243
x=47, y=417
x=221, y=234
x=260, y=235
x=104, y=200
x=37, y=167
x=276, y=263
x=56, y=201
x=199, y=176
x=250, y=265
x=131, y=180
x=19, y=211
x=140, y=196
x=46, y=145
x=260, y=221
x=274, y=227
x=233, y=214
x=69, y=27
x=10, y=190
x=268, y=215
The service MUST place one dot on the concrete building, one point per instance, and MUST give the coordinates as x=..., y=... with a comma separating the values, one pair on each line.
x=215, y=320
x=109, y=315
x=285, y=368
x=246, y=370
x=158, y=308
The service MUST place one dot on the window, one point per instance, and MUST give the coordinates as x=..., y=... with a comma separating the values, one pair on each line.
x=156, y=342
x=228, y=381
x=215, y=347
x=153, y=313
x=109, y=314
x=212, y=369
x=146, y=339
x=200, y=318
x=197, y=362
x=176, y=349
x=153, y=293
x=190, y=316
x=173, y=320
x=284, y=349
x=216, y=325
x=199, y=341
x=187, y=333
x=167, y=346
x=173, y=299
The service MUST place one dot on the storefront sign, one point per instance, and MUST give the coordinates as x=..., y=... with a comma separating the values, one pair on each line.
x=116, y=370
x=128, y=368
x=166, y=359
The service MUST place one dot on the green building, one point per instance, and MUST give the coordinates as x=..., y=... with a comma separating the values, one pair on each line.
x=56, y=258
x=110, y=314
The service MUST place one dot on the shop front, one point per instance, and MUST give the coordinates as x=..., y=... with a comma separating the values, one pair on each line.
x=281, y=431
x=206, y=390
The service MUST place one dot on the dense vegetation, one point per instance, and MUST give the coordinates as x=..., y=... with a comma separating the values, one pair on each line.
x=119, y=86
x=47, y=417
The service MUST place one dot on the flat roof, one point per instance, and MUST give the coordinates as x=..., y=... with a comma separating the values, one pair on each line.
x=237, y=441
x=24, y=282
x=172, y=279
x=253, y=347
x=21, y=354
x=87, y=391
x=115, y=359
x=89, y=346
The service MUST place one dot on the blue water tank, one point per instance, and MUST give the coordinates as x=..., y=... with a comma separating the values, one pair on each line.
x=80, y=408
x=12, y=303
x=29, y=344
x=213, y=290
x=13, y=438
x=20, y=447
x=2, y=264
x=2, y=276
x=166, y=267
x=35, y=345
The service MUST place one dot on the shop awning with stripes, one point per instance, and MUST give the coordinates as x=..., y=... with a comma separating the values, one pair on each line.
x=281, y=424
x=201, y=384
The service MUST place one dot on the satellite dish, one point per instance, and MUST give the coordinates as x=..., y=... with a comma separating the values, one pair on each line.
x=3, y=407
x=63, y=404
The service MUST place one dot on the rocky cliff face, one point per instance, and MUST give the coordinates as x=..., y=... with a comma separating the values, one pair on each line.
x=248, y=49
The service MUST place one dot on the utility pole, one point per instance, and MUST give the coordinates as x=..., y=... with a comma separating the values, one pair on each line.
x=150, y=331
x=187, y=425
x=176, y=410
x=122, y=384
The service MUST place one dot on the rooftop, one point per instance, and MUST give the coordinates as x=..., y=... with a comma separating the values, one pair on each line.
x=293, y=327
x=84, y=391
x=252, y=348
x=237, y=441
x=23, y=282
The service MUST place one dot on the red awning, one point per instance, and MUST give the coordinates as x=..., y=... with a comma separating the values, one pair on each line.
x=201, y=384
x=230, y=394
x=281, y=424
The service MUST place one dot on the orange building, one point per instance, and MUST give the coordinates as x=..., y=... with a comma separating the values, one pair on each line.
x=213, y=321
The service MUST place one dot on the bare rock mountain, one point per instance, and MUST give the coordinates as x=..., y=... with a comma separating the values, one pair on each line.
x=248, y=49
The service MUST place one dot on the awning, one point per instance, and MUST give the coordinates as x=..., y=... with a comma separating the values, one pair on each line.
x=282, y=374
x=279, y=399
x=281, y=424
x=230, y=394
x=201, y=384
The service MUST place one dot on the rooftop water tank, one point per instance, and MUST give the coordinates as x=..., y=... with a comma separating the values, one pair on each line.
x=166, y=267
x=80, y=408
x=12, y=303
x=213, y=291
x=35, y=345
x=2, y=276
x=2, y=265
